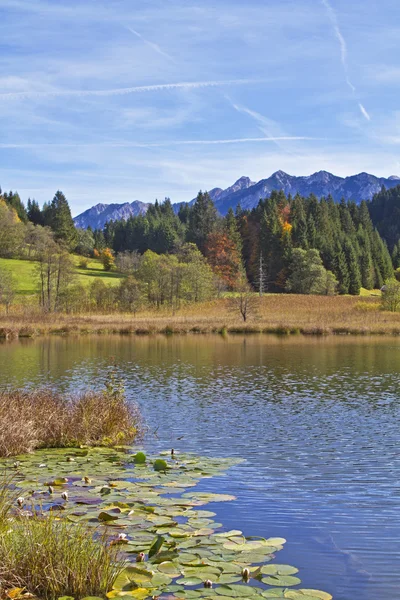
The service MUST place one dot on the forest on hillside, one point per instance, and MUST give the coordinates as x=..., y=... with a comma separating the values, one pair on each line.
x=285, y=244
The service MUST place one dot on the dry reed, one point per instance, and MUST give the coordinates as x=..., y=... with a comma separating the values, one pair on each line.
x=47, y=419
x=279, y=313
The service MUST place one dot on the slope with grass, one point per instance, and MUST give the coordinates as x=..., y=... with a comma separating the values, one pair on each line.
x=24, y=272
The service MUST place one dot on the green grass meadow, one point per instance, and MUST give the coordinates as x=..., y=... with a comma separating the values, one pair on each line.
x=24, y=272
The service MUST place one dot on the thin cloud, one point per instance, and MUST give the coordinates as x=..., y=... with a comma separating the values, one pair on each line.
x=129, y=90
x=269, y=127
x=159, y=144
x=343, y=52
x=364, y=112
x=342, y=42
x=152, y=45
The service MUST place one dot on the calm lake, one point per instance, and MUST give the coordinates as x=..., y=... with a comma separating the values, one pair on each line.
x=317, y=420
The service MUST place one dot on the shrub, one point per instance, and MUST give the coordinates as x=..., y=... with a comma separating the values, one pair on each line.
x=83, y=262
x=47, y=419
x=50, y=558
x=367, y=306
x=391, y=295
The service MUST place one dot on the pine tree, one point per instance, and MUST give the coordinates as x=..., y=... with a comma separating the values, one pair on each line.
x=35, y=215
x=58, y=218
x=203, y=219
x=299, y=221
x=353, y=267
x=396, y=255
x=341, y=270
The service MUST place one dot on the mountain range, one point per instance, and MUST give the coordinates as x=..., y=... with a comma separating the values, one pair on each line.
x=247, y=193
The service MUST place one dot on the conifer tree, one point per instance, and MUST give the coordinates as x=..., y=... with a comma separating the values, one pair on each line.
x=35, y=215
x=58, y=218
x=202, y=220
x=353, y=267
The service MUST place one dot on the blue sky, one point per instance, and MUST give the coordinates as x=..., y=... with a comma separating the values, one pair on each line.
x=117, y=100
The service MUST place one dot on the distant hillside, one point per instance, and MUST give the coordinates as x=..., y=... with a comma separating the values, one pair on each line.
x=97, y=216
x=247, y=193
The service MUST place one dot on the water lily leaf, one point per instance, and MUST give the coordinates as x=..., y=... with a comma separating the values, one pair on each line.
x=229, y=578
x=137, y=594
x=275, y=541
x=156, y=546
x=160, y=465
x=139, y=458
x=166, y=555
x=130, y=578
x=170, y=568
x=281, y=580
x=236, y=591
x=106, y=517
x=205, y=497
x=278, y=570
x=190, y=581
x=308, y=595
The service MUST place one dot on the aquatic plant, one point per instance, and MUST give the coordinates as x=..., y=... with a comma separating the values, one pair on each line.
x=172, y=545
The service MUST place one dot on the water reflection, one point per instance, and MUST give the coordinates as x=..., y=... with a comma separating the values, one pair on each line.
x=316, y=418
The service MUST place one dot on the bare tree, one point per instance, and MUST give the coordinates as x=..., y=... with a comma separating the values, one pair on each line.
x=54, y=271
x=244, y=299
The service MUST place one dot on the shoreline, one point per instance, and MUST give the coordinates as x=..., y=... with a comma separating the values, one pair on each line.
x=273, y=314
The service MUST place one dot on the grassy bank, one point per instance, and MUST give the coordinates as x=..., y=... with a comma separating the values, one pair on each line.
x=281, y=313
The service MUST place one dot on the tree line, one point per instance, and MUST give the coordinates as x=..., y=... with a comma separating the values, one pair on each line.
x=272, y=242
x=286, y=244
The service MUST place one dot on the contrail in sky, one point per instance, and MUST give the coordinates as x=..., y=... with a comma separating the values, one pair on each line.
x=152, y=45
x=157, y=144
x=343, y=52
x=128, y=90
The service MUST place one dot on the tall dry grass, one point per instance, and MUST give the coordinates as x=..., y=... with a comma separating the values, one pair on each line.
x=47, y=419
x=274, y=313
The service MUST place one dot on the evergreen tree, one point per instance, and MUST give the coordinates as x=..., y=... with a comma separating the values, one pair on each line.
x=299, y=222
x=396, y=255
x=353, y=267
x=58, y=218
x=202, y=220
x=341, y=270
x=35, y=215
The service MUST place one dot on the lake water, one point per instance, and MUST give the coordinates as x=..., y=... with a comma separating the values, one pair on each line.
x=317, y=420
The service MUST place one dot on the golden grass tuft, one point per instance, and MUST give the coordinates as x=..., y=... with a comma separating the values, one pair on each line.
x=47, y=419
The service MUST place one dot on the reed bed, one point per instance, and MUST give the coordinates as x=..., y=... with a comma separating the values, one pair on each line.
x=46, y=419
x=280, y=313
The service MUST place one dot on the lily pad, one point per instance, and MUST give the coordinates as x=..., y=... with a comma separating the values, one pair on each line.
x=281, y=580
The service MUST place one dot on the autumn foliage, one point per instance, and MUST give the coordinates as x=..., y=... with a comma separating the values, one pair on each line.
x=223, y=256
x=107, y=258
